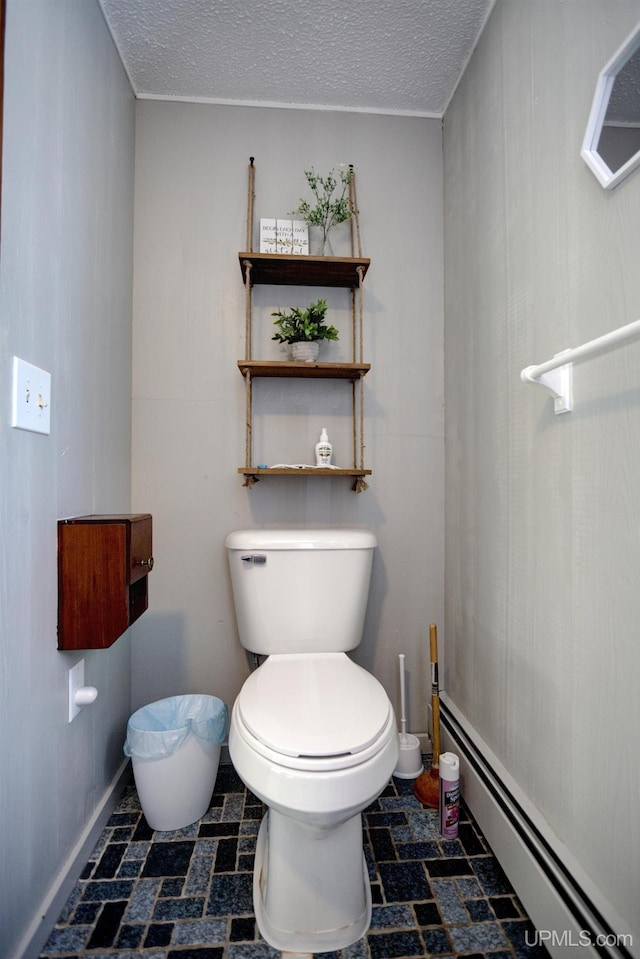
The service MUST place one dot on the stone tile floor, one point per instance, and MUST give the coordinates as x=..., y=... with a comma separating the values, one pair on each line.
x=188, y=894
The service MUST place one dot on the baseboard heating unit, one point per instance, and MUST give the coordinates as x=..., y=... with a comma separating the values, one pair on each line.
x=565, y=906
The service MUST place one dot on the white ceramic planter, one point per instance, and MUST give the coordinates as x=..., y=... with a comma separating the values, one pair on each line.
x=305, y=351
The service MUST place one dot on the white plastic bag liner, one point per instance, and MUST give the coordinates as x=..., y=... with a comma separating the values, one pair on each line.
x=156, y=731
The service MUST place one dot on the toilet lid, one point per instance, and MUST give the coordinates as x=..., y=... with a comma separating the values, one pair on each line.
x=315, y=705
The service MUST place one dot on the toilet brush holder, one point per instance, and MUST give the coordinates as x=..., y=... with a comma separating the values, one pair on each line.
x=409, y=764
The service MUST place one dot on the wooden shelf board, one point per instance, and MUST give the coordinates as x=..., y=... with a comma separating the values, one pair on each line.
x=287, y=368
x=284, y=269
x=304, y=471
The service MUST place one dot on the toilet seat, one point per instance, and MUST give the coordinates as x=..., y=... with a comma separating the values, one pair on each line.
x=318, y=711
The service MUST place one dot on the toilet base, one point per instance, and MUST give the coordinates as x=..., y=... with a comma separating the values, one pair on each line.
x=311, y=890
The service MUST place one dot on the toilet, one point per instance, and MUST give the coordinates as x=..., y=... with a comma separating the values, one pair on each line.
x=312, y=734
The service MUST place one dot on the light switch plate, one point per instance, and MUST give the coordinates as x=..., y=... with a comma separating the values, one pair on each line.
x=31, y=400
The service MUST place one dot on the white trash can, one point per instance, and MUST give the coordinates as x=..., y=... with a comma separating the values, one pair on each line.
x=174, y=745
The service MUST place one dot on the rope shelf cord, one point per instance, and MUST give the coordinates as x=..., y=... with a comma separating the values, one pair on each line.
x=360, y=483
x=251, y=195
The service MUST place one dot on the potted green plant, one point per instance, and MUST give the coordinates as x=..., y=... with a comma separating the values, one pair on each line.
x=329, y=209
x=302, y=330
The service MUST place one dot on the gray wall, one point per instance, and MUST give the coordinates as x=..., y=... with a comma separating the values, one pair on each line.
x=188, y=395
x=542, y=535
x=541, y=648
x=65, y=305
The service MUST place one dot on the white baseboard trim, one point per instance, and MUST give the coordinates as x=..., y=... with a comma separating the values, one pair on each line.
x=48, y=911
x=565, y=906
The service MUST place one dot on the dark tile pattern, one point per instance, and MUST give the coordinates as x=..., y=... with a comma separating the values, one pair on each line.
x=188, y=894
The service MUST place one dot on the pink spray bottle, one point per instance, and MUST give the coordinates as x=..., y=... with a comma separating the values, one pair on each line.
x=449, y=794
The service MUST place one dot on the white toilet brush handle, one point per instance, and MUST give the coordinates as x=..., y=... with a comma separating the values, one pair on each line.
x=403, y=718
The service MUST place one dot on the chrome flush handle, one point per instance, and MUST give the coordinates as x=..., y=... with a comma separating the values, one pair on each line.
x=257, y=559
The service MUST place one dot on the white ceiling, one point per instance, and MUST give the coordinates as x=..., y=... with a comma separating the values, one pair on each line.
x=380, y=56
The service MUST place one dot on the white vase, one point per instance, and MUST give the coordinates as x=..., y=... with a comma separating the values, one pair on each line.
x=305, y=350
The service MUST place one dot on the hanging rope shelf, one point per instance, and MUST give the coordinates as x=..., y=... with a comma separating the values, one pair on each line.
x=293, y=270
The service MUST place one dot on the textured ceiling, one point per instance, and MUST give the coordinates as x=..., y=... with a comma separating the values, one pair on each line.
x=382, y=56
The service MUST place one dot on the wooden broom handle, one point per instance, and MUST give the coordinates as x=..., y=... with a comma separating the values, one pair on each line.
x=433, y=642
x=435, y=693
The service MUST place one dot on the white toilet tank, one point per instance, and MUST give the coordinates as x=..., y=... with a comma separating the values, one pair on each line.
x=300, y=591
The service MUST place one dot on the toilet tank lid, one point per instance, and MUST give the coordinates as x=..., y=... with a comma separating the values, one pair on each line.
x=301, y=539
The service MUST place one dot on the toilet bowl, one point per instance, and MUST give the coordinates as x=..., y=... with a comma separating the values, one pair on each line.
x=316, y=770
x=314, y=736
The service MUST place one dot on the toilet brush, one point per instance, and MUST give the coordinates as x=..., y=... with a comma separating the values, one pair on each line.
x=426, y=788
x=409, y=764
